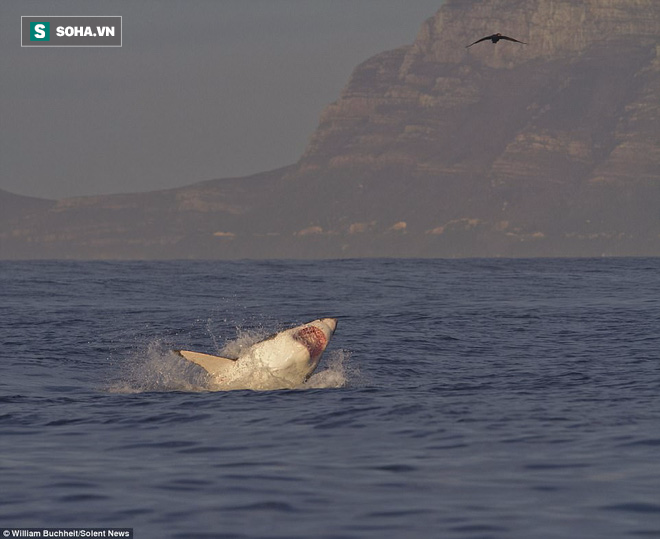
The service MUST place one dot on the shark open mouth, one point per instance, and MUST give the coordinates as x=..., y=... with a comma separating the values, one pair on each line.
x=313, y=339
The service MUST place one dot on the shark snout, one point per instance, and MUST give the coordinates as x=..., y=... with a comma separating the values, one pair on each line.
x=331, y=323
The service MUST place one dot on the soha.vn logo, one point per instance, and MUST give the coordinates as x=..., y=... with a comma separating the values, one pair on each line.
x=71, y=31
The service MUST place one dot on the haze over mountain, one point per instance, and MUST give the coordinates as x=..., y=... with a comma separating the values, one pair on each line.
x=545, y=149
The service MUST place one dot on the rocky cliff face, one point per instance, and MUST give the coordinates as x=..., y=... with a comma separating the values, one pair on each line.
x=582, y=57
x=553, y=144
x=550, y=148
x=552, y=28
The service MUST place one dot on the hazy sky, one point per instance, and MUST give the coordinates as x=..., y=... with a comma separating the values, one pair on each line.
x=199, y=90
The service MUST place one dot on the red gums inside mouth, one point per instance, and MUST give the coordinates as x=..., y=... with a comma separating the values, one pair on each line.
x=313, y=339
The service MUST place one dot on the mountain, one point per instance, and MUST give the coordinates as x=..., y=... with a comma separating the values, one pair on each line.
x=546, y=149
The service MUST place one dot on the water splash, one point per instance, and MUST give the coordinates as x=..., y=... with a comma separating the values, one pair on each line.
x=156, y=367
x=211, y=333
x=335, y=374
x=244, y=339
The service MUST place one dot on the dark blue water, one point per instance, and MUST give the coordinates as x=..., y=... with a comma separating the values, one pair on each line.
x=458, y=399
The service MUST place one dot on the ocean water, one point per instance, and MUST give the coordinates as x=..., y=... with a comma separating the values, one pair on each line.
x=458, y=399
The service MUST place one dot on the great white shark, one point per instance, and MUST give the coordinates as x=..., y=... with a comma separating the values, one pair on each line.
x=283, y=360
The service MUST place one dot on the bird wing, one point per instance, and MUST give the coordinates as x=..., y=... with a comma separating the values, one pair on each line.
x=511, y=39
x=479, y=41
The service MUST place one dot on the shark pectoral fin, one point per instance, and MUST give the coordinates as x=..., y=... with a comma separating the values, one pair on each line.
x=212, y=364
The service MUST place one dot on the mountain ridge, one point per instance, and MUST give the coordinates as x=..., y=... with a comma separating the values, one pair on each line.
x=432, y=149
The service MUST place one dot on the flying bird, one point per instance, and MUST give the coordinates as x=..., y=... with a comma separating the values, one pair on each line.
x=495, y=38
